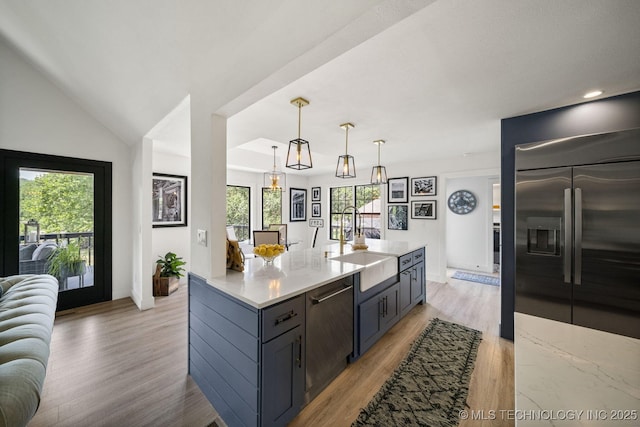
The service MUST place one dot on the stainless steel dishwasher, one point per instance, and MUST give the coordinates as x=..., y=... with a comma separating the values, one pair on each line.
x=329, y=335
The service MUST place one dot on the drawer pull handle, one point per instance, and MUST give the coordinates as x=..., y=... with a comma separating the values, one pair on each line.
x=319, y=300
x=287, y=316
x=406, y=261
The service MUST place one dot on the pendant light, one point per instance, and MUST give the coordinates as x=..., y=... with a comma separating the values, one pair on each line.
x=379, y=173
x=299, y=154
x=275, y=180
x=346, y=167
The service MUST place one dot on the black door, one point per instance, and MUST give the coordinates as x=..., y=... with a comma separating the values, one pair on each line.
x=56, y=219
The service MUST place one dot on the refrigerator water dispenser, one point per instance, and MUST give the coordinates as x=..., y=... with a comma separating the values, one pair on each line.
x=543, y=235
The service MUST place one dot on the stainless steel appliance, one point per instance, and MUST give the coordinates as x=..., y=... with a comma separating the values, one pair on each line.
x=578, y=231
x=329, y=335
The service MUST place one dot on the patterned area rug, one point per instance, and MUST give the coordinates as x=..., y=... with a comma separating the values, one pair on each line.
x=431, y=385
x=480, y=278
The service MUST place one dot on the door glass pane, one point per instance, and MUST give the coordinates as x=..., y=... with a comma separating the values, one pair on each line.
x=56, y=224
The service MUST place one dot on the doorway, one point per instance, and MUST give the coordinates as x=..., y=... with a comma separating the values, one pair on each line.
x=56, y=220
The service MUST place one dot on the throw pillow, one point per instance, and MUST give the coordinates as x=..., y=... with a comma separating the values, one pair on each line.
x=43, y=251
x=26, y=252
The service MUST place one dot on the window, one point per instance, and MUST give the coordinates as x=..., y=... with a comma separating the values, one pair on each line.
x=238, y=210
x=368, y=203
x=340, y=198
x=367, y=199
x=271, y=207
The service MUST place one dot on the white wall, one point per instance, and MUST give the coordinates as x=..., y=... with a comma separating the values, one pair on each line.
x=469, y=238
x=35, y=116
x=172, y=239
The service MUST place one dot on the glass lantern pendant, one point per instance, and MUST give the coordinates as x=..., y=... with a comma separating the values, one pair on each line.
x=299, y=154
x=346, y=167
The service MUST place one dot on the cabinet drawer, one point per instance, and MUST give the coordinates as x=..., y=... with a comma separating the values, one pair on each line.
x=405, y=261
x=418, y=256
x=282, y=317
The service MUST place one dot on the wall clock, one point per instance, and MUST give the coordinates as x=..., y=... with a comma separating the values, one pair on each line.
x=462, y=202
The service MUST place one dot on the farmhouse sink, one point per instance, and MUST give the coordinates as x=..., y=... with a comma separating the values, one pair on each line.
x=377, y=267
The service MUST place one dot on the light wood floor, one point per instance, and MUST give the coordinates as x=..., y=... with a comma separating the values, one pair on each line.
x=112, y=365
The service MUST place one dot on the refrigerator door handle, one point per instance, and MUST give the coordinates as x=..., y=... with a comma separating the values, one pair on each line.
x=578, y=237
x=566, y=255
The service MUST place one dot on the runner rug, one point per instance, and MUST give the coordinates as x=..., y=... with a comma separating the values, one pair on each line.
x=479, y=278
x=431, y=385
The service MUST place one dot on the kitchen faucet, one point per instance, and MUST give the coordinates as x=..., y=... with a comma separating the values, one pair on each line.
x=342, y=239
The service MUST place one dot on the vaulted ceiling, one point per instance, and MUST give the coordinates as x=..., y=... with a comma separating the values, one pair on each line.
x=432, y=78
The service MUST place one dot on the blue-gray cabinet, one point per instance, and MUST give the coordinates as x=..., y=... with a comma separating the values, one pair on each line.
x=412, y=280
x=376, y=315
x=382, y=306
x=248, y=362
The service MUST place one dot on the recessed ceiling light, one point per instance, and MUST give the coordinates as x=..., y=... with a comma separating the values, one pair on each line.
x=592, y=94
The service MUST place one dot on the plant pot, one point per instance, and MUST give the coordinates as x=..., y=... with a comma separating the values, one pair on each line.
x=164, y=286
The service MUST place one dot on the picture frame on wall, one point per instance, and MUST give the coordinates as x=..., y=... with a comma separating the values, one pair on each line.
x=316, y=210
x=315, y=194
x=169, y=200
x=398, y=217
x=424, y=186
x=397, y=190
x=424, y=209
x=297, y=204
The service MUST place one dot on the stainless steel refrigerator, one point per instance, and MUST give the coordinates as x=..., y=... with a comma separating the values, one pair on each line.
x=578, y=231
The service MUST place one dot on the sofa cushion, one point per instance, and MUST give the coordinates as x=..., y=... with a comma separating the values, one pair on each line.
x=43, y=251
x=26, y=252
x=27, y=312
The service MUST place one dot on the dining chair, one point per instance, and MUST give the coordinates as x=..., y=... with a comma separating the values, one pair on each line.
x=268, y=237
x=282, y=228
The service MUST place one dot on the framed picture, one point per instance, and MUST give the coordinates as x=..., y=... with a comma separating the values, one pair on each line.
x=169, y=200
x=315, y=194
x=297, y=204
x=397, y=190
x=316, y=210
x=425, y=186
x=423, y=209
x=398, y=218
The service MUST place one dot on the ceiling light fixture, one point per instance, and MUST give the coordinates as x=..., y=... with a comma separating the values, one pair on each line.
x=299, y=154
x=592, y=94
x=275, y=180
x=346, y=167
x=379, y=173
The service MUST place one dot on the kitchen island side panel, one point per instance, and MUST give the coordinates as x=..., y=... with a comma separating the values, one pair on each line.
x=224, y=352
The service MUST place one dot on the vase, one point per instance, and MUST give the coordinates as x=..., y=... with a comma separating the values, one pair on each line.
x=268, y=260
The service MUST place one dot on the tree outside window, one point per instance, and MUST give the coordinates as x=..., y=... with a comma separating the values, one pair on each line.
x=271, y=207
x=239, y=210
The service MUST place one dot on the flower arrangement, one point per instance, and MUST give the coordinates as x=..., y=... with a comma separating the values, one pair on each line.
x=268, y=252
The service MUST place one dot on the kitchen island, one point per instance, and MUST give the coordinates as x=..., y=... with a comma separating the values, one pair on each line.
x=249, y=332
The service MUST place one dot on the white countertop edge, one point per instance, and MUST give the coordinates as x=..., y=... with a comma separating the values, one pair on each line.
x=247, y=287
x=229, y=290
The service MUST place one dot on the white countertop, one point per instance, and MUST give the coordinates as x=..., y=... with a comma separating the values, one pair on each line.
x=296, y=272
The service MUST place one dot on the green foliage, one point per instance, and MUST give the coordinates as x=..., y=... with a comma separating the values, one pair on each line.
x=238, y=210
x=66, y=261
x=171, y=265
x=271, y=207
x=60, y=202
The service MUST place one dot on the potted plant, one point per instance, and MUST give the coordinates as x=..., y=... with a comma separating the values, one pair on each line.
x=168, y=273
x=66, y=262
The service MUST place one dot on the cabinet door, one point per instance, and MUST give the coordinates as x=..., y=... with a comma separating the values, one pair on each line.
x=283, y=377
x=406, y=290
x=369, y=313
x=417, y=283
x=390, y=308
